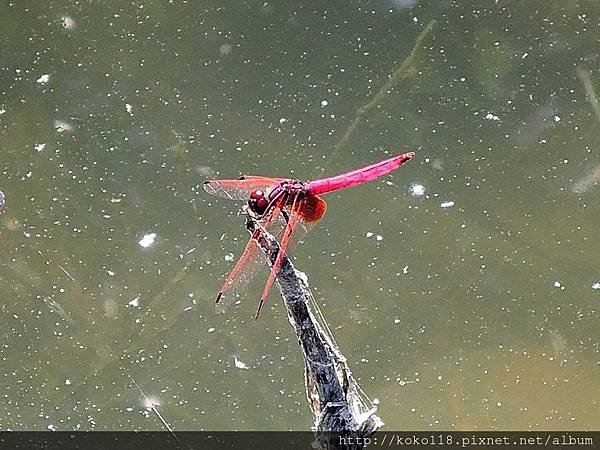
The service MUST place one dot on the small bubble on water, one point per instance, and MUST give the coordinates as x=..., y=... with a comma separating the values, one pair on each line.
x=68, y=22
x=147, y=240
x=62, y=127
x=416, y=190
x=43, y=79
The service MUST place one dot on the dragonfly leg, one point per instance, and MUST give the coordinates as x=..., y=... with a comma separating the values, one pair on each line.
x=289, y=229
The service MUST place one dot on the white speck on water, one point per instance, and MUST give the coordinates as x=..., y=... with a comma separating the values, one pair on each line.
x=229, y=257
x=525, y=55
x=282, y=120
x=557, y=284
x=62, y=127
x=39, y=147
x=376, y=401
x=396, y=321
x=68, y=23
x=68, y=382
x=499, y=404
x=110, y=272
x=556, y=118
x=490, y=116
x=43, y=79
x=129, y=109
x=416, y=190
x=135, y=302
x=2, y=110
x=129, y=409
x=147, y=240
x=448, y=204
x=405, y=270
x=596, y=285
x=239, y=364
x=370, y=234
x=211, y=329
x=150, y=402
x=324, y=103
x=52, y=427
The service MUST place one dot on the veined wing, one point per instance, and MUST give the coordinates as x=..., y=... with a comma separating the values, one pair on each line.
x=247, y=265
x=252, y=260
x=241, y=188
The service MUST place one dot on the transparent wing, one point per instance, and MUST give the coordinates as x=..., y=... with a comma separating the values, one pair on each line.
x=240, y=189
x=252, y=261
x=248, y=264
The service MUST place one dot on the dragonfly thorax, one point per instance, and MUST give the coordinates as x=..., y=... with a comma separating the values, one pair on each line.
x=261, y=201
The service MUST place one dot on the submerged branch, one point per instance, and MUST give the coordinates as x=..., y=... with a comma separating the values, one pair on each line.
x=333, y=394
x=589, y=90
x=406, y=70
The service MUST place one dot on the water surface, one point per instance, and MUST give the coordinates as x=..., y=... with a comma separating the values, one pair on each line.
x=472, y=306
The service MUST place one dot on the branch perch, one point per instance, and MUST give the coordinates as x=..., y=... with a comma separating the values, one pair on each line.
x=333, y=395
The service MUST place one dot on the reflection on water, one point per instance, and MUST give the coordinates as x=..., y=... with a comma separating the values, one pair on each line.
x=587, y=182
x=56, y=307
x=463, y=290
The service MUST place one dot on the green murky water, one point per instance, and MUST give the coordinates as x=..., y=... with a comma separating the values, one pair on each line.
x=472, y=306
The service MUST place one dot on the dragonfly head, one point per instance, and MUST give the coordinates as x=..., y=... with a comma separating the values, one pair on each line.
x=258, y=202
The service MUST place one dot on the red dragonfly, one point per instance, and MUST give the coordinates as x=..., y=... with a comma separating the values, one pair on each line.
x=296, y=201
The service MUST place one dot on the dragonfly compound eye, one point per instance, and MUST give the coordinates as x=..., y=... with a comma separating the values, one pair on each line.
x=258, y=202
